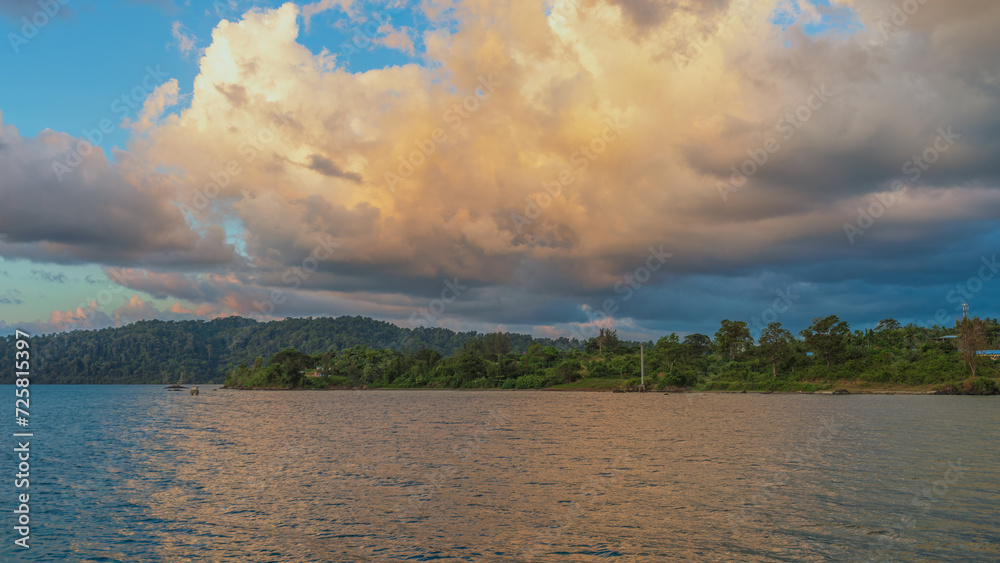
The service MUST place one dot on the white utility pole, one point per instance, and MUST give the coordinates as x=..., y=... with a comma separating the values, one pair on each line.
x=642, y=367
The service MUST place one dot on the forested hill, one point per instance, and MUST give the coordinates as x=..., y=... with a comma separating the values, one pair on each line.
x=201, y=351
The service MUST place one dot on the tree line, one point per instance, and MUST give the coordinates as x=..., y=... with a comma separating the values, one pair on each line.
x=359, y=352
x=825, y=352
x=202, y=351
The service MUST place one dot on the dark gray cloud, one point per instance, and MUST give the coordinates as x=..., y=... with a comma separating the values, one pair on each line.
x=326, y=167
x=194, y=287
x=91, y=212
x=236, y=94
x=651, y=13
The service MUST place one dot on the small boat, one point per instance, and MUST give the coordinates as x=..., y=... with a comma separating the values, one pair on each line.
x=175, y=387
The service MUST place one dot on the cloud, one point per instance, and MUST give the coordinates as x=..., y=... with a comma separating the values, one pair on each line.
x=90, y=316
x=190, y=287
x=11, y=297
x=185, y=41
x=536, y=157
x=164, y=96
x=57, y=277
x=96, y=212
x=326, y=167
x=310, y=10
x=396, y=38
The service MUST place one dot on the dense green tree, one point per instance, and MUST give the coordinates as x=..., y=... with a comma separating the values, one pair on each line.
x=699, y=344
x=971, y=338
x=497, y=343
x=429, y=357
x=293, y=360
x=668, y=351
x=568, y=371
x=469, y=364
x=887, y=325
x=827, y=336
x=775, y=345
x=606, y=339
x=733, y=338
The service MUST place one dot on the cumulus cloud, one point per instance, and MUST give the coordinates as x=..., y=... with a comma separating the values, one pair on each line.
x=556, y=88
x=538, y=155
x=163, y=96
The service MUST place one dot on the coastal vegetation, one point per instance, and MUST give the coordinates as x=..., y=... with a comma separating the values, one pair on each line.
x=201, y=351
x=357, y=352
x=827, y=355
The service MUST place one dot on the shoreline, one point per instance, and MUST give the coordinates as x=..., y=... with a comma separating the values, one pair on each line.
x=851, y=389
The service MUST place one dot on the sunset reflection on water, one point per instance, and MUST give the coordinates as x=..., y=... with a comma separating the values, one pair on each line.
x=515, y=476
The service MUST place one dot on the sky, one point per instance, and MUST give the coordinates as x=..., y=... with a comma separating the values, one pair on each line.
x=539, y=167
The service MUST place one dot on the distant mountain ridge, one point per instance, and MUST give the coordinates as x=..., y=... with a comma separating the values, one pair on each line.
x=201, y=351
